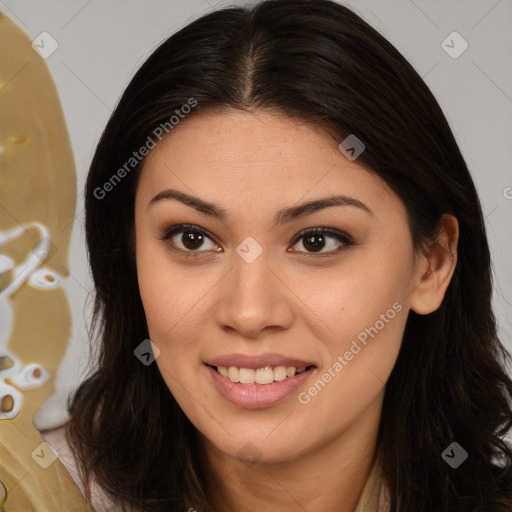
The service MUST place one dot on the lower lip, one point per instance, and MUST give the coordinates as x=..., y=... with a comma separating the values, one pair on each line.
x=257, y=396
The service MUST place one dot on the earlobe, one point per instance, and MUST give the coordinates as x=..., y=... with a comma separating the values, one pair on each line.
x=436, y=267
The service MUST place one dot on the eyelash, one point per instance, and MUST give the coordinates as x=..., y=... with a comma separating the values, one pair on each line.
x=345, y=239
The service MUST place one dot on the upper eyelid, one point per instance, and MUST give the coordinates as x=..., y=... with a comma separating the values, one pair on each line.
x=323, y=230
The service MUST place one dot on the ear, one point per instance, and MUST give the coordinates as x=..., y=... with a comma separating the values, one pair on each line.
x=435, y=268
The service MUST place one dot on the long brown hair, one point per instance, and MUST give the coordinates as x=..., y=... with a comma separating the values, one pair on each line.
x=316, y=60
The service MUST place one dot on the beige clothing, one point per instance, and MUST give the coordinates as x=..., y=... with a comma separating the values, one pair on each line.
x=61, y=488
x=374, y=497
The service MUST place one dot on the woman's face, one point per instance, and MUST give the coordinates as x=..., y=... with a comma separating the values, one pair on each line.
x=240, y=286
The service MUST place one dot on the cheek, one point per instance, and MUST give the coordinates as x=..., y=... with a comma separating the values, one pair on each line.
x=174, y=327
x=174, y=300
x=164, y=288
x=357, y=295
x=358, y=315
x=366, y=319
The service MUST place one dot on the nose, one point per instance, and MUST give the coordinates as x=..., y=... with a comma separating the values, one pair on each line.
x=253, y=299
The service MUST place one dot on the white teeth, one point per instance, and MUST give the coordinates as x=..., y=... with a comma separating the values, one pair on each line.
x=280, y=373
x=246, y=376
x=264, y=375
x=233, y=373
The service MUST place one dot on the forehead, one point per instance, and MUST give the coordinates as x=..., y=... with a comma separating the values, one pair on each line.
x=242, y=158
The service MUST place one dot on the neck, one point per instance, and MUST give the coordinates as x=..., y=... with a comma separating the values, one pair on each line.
x=329, y=477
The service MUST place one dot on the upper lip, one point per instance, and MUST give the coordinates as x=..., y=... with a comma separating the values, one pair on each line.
x=259, y=361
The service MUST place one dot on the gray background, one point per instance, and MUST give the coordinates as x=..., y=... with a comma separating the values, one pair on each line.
x=102, y=44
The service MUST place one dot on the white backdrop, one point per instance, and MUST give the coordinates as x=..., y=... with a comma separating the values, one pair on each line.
x=102, y=43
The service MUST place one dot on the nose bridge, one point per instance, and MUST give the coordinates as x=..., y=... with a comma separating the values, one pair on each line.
x=251, y=297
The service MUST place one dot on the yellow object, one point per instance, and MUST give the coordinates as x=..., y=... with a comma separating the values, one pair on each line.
x=37, y=204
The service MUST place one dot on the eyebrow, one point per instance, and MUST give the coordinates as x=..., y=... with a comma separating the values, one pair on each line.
x=281, y=217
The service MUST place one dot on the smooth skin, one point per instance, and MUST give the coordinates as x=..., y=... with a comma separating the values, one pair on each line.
x=291, y=300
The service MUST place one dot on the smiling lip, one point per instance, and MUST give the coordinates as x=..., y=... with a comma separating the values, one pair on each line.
x=257, y=396
x=255, y=362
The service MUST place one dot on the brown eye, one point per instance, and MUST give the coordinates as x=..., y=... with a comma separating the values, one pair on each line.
x=192, y=240
x=315, y=240
x=188, y=239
